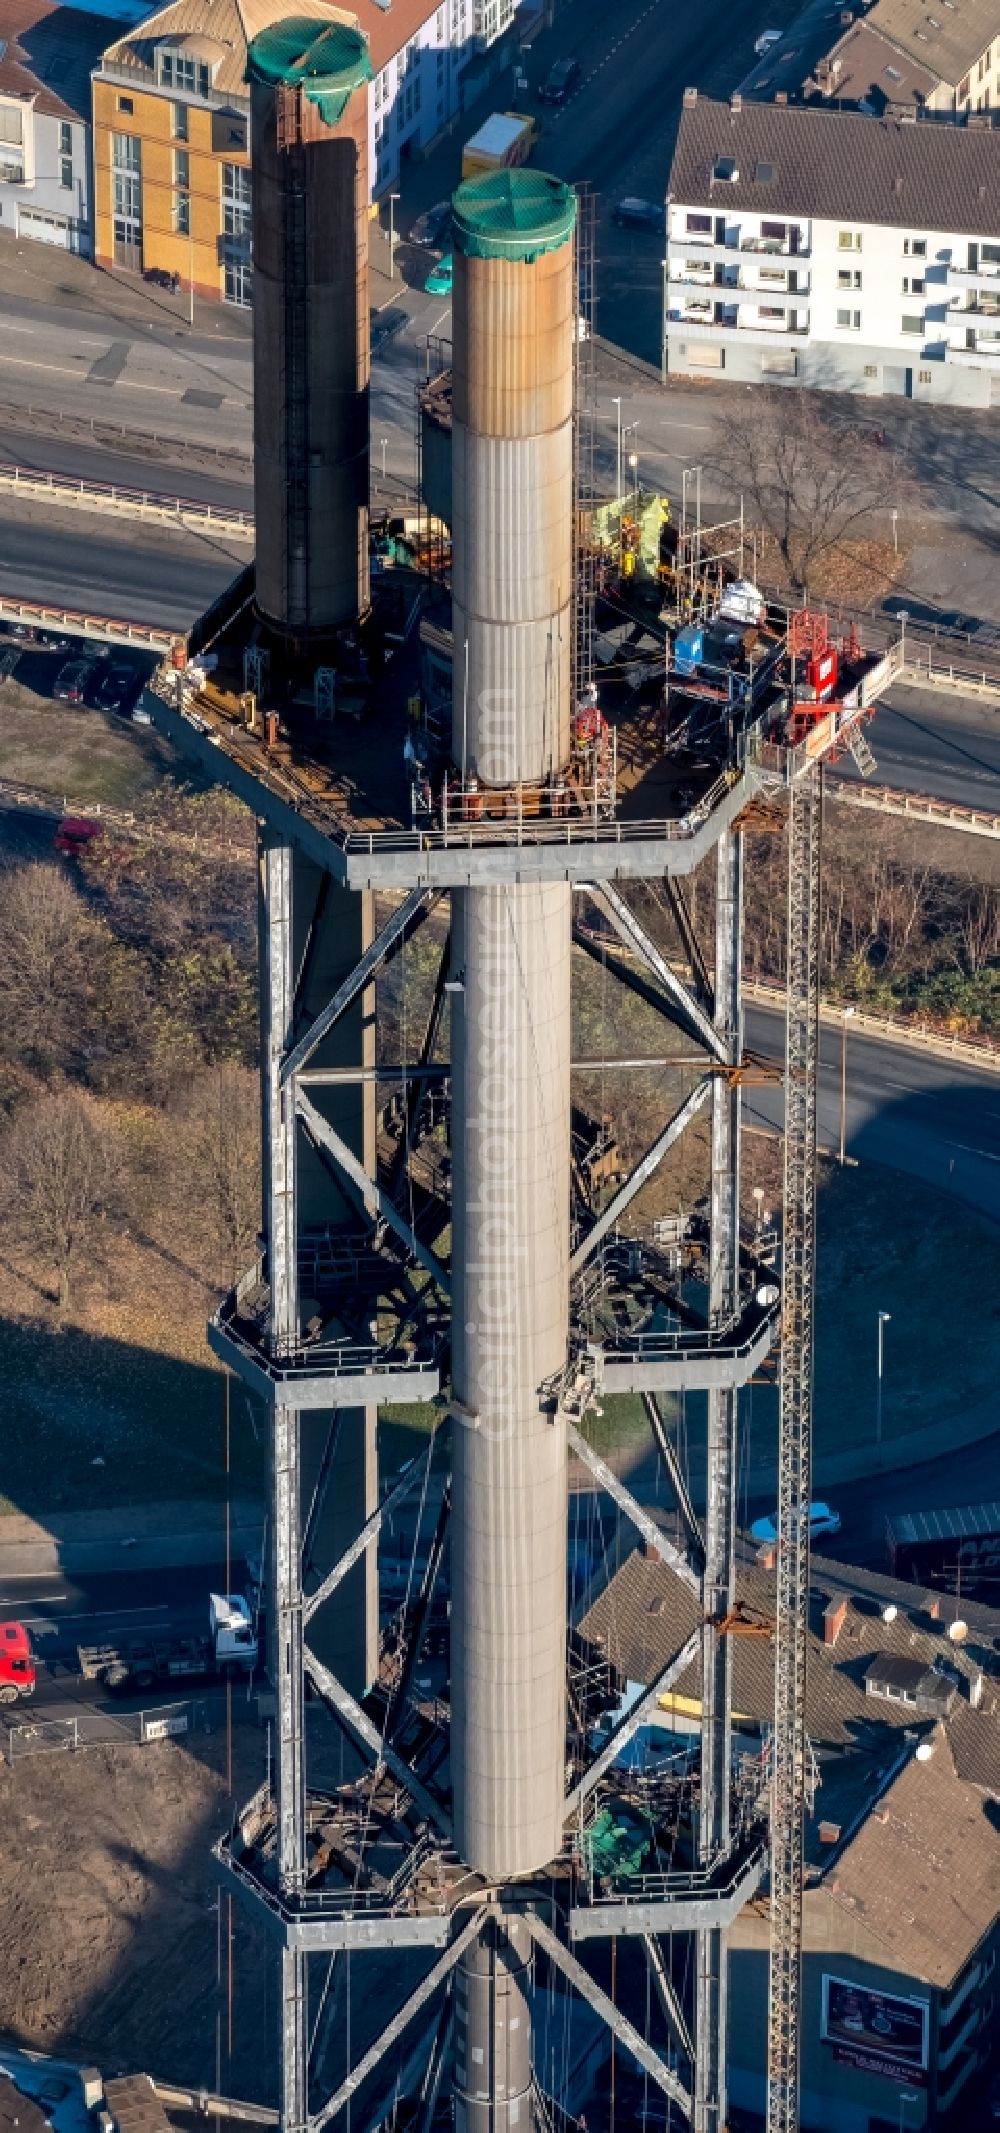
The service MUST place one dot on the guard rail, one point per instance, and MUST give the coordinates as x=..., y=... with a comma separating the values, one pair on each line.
x=125, y=502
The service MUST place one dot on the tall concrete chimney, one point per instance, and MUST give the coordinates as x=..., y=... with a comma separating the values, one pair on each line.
x=311, y=328
x=512, y=561
x=512, y=576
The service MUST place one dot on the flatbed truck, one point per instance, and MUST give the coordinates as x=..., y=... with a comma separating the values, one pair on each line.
x=225, y=1651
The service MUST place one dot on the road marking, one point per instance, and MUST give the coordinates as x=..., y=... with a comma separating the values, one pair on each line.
x=28, y=363
x=983, y=1153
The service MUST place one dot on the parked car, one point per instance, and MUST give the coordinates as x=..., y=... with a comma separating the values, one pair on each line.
x=821, y=1520
x=440, y=278
x=110, y=688
x=431, y=225
x=46, y=642
x=633, y=214
x=74, y=834
x=71, y=682
x=560, y=81
x=766, y=39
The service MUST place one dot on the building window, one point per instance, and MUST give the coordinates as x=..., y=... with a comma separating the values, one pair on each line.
x=849, y=240
x=182, y=169
x=179, y=71
x=962, y=90
x=182, y=214
x=126, y=179
x=11, y=144
x=912, y=324
x=913, y=285
x=125, y=104
x=849, y=278
x=915, y=247
x=698, y=225
x=851, y=319
x=65, y=139
x=180, y=122
x=871, y=370
x=239, y=282
x=924, y=377
x=236, y=204
x=66, y=173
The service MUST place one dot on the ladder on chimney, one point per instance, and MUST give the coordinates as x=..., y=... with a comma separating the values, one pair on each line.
x=790, y=1759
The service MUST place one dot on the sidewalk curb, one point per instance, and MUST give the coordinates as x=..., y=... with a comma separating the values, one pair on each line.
x=886, y=1029
x=119, y=1546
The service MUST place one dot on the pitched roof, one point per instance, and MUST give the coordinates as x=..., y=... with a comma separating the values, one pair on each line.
x=922, y=1874
x=644, y=1615
x=867, y=65
x=947, y=35
x=48, y=54
x=838, y=166
x=235, y=24
x=917, y=1867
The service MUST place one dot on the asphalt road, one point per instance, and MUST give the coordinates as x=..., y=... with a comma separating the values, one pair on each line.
x=929, y=741
x=912, y=1110
x=109, y=566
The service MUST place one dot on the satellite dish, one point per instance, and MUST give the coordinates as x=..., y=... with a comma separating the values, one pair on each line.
x=924, y=1752
x=958, y=1631
x=889, y=1613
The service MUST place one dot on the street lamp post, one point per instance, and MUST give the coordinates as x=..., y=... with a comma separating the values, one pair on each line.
x=383, y=442
x=904, y=613
x=393, y=197
x=845, y=1017
x=883, y=1321
x=633, y=460
x=895, y=532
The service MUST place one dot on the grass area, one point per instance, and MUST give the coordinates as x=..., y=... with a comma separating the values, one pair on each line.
x=157, y=1422
x=87, y=756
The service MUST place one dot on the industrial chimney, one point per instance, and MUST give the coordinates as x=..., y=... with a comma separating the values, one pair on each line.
x=512, y=576
x=311, y=329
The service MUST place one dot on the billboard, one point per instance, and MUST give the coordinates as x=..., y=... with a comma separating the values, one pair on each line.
x=875, y=2030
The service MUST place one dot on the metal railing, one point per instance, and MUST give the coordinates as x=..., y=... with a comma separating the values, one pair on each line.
x=124, y=501
x=109, y=629
x=909, y=1031
x=918, y=806
x=296, y=1906
x=90, y=1729
x=337, y=1358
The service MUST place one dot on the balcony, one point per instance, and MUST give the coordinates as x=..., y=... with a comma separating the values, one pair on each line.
x=970, y=277
x=791, y=247
x=986, y=352
x=757, y=334
x=135, y=74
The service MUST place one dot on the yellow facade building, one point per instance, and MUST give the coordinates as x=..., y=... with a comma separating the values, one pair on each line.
x=171, y=143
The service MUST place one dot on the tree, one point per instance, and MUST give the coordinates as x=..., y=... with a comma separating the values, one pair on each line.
x=48, y=947
x=60, y=1178
x=811, y=478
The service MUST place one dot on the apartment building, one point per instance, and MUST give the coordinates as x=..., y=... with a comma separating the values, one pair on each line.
x=46, y=54
x=957, y=40
x=835, y=250
x=171, y=122
x=901, y=1914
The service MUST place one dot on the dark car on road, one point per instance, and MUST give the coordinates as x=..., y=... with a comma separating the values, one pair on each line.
x=560, y=81
x=72, y=681
x=639, y=215
x=429, y=227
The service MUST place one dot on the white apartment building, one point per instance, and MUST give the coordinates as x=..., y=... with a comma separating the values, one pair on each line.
x=46, y=54
x=834, y=250
x=417, y=90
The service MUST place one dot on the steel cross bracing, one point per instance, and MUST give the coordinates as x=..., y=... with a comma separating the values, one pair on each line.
x=794, y=1450
x=293, y=1126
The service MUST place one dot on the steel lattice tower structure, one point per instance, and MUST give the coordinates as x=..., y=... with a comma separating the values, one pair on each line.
x=353, y=1304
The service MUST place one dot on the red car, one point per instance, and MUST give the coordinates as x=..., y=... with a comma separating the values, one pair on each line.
x=74, y=834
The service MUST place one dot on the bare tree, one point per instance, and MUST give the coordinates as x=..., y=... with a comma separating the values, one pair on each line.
x=810, y=478
x=47, y=946
x=60, y=1177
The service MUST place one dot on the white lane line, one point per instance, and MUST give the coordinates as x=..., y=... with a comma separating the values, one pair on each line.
x=984, y=1154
